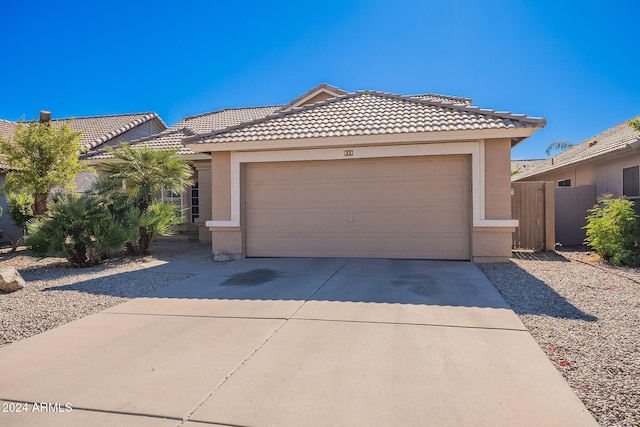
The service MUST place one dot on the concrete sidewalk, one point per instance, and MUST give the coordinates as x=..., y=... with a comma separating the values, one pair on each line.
x=295, y=342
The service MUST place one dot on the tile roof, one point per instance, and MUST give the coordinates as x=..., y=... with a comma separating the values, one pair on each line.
x=613, y=140
x=446, y=99
x=100, y=129
x=369, y=113
x=193, y=125
x=524, y=165
x=321, y=88
x=7, y=129
x=96, y=130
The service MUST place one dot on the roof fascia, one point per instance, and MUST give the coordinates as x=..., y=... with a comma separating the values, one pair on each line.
x=604, y=157
x=362, y=140
x=322, y=88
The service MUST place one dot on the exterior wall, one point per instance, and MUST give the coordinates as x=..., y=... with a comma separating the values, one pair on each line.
x=318, y=98
x=227, y=239
x=150, y=127
x=497, y=184
x=605, y=174
x=493, y=244
x=9, y=230
x=491, y=212
x=203, y=176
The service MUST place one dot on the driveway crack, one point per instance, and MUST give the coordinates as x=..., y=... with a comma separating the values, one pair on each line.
x=246, y=359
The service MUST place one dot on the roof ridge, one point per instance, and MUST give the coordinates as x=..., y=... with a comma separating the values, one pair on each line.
x=467, y=108
x=165, y=132
x=122, y=129
x=280, y=113
x=274, y=115
x=564, y=158
x=442, y=95
x=227, y=109
x=105, y=116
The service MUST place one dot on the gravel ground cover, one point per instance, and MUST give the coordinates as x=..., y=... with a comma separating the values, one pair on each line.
x=585, y=315
x=57, y=294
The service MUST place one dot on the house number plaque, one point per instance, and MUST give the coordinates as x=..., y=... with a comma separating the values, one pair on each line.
x=348, y=153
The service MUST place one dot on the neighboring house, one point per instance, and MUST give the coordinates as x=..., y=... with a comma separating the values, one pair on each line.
x=97, y=132
x=610, y=161
x=364, y=174
x=521, y=166
x=607, y=163
x=196, y=200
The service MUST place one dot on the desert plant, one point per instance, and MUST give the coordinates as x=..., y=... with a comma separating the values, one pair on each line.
x=612, y=231
x=143, y=172
x=78, y=228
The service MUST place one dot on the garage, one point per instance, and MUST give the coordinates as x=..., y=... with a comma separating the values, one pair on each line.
x=403, y=207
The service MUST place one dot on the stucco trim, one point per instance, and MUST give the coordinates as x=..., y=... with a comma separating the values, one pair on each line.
x=473, y=148
x=362, y=140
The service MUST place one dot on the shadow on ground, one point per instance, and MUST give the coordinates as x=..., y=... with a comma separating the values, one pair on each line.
x=415, y=282
x=526, y=294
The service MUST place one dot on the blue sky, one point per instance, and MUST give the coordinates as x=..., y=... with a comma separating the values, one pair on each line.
x=574, y=63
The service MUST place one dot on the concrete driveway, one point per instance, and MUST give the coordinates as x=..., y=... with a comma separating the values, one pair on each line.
x=294, y=342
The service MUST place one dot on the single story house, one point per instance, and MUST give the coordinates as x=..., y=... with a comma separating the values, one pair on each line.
x=195, y=201
x=97, y=132
x=363, y=174
x=607, y=163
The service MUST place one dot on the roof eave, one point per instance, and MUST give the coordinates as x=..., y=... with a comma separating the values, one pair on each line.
x=362, y=140
x=620, y=152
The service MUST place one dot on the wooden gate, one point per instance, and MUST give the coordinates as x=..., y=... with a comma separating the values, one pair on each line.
x=532, y=204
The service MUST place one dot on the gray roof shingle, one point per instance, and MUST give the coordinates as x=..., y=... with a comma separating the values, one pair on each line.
x=370, y=113
x=612, y=140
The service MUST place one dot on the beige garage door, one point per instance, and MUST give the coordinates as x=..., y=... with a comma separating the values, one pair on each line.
x=408, y=207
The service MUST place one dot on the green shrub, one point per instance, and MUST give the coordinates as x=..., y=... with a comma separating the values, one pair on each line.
x=20, y=208
x=612, y=231
x=78, y=228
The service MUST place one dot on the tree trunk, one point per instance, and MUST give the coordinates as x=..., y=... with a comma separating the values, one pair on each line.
x=145, y=241
x=40, y=204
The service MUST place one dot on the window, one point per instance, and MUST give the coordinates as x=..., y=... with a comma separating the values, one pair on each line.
x=631, y=181
x=174, y=197
x=564, y=183
x=195, y=203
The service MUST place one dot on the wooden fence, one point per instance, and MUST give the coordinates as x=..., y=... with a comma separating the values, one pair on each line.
x=532, y=204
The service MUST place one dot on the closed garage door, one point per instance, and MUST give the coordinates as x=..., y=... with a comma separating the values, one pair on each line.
x=408, y=207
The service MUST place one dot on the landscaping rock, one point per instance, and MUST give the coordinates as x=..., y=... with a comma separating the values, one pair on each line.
x=221, y=256
x=11, y=280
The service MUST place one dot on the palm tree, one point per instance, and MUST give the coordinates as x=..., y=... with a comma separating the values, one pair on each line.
x=558, y=146
x=143, y=172
x=79, y=228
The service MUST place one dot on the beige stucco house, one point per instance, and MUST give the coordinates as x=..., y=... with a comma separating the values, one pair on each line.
x=607, y=163
x=609, y=160
x=195, y=201
x=97, y=132
x=362, y=174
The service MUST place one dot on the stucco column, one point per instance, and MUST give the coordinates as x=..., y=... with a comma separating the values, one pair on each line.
x=203, y=170
x=225, y=239
x=493, y=243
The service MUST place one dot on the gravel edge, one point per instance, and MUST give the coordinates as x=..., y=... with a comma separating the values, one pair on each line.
x=585, y=315
x=57, y=294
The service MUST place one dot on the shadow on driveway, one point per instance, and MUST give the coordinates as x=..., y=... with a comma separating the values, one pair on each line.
x=384, y=281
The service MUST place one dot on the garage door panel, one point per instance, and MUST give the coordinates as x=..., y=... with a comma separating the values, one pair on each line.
x=379, y=208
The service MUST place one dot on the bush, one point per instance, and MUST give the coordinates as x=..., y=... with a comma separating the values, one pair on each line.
x=20, y=208
x=157, y=219
x=78, y=228
x=612, y=231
